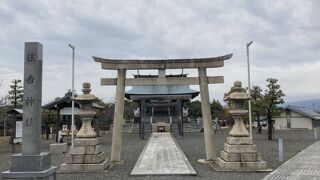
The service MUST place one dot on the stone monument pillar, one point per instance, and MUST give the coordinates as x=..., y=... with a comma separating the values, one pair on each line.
x=239, y=154
x=86, y=155
x=31, y=163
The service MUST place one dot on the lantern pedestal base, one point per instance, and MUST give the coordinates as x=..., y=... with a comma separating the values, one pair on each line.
x=243, y=166
x=86, y=155
x=240, y=153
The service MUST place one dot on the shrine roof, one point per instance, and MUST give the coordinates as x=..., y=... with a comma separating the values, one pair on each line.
x=66, y=102
x=161, y=90
x=15, y=111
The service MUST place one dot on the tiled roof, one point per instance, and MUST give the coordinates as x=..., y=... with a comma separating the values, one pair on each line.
x=17, y=111
x=67, y=98
x=161, y=90
x=304, y=111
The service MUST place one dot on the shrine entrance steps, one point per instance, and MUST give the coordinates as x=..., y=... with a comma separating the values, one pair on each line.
x=162, y=156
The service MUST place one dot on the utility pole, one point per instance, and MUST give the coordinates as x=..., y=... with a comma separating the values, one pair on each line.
x=249, y=89
x=72, y=108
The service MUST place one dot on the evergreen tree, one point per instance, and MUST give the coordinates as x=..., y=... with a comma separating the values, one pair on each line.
x=195, y=109
x=257, y=104
x=129, y=107
x=217, y=110
x=273, y=96
x=16, y=93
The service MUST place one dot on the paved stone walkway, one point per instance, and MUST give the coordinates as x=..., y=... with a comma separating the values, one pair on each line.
x=162, y=156
x=305, y=165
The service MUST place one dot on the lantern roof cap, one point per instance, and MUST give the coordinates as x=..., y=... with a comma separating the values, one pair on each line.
x=237, y=92
x=86, y=96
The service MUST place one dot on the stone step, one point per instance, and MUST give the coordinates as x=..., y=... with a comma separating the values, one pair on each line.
x=87, y=141
x=85, y=150
x=135, y=128
x=174, y=128
x=239, y=140
x=187, y=127
x=148, y=128
x=252, y=148
x=85, y=159
x=84, y=167
x=259, y=165
x=240, y=157
x=164, y=126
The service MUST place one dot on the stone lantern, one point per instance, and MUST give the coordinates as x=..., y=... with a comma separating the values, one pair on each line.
x=87, y=154
x=86, y=113
x=237, y=97
x=239, y=153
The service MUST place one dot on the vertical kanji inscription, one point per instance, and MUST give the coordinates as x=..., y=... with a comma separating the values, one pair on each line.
x=32, y=98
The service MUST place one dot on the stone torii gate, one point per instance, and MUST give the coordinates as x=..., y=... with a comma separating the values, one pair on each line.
x=121, y=65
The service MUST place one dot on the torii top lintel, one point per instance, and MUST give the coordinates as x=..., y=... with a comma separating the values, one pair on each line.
x=212, y=62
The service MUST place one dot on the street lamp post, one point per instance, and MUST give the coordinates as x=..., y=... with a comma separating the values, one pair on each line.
x=249, y=88
x=4, y=127
x=72, y=108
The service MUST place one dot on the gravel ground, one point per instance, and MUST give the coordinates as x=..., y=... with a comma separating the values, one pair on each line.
x=193, y=147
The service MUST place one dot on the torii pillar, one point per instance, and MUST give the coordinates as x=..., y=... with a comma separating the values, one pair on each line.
x=118, y=117
x=206, y=115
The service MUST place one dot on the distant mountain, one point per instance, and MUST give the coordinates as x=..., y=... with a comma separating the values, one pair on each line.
x=313, y=104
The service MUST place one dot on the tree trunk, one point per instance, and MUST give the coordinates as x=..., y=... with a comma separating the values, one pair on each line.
x=258, y=122
x=13, y=133
x=47, y=133
x=15, y=95
x=57, y=125
x=270, y=125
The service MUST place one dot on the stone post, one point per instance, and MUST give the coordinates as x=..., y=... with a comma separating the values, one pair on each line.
x=178, y=117
x=206, y=115
x=152, y=114
x=57, y=125
x=32, y=99
x=118, y=116
x=143, y=117
x=31, y=159
x=13, y=134
x=140, y=123
x=182, y=133
x=179, y=112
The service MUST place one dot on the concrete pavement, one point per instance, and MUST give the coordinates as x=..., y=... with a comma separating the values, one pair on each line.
x=304, y=165
x=162, y=156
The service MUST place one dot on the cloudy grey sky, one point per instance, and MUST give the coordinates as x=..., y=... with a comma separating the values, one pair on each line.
x=286, y=37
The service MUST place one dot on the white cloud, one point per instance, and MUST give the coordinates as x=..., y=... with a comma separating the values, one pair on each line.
x=285, y=34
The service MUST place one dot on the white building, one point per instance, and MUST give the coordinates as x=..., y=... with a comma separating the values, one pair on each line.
x=292, y=117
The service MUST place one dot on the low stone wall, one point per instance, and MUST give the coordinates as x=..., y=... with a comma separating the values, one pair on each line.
x=191, y=127
x=4, y=140
x=8, y=133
